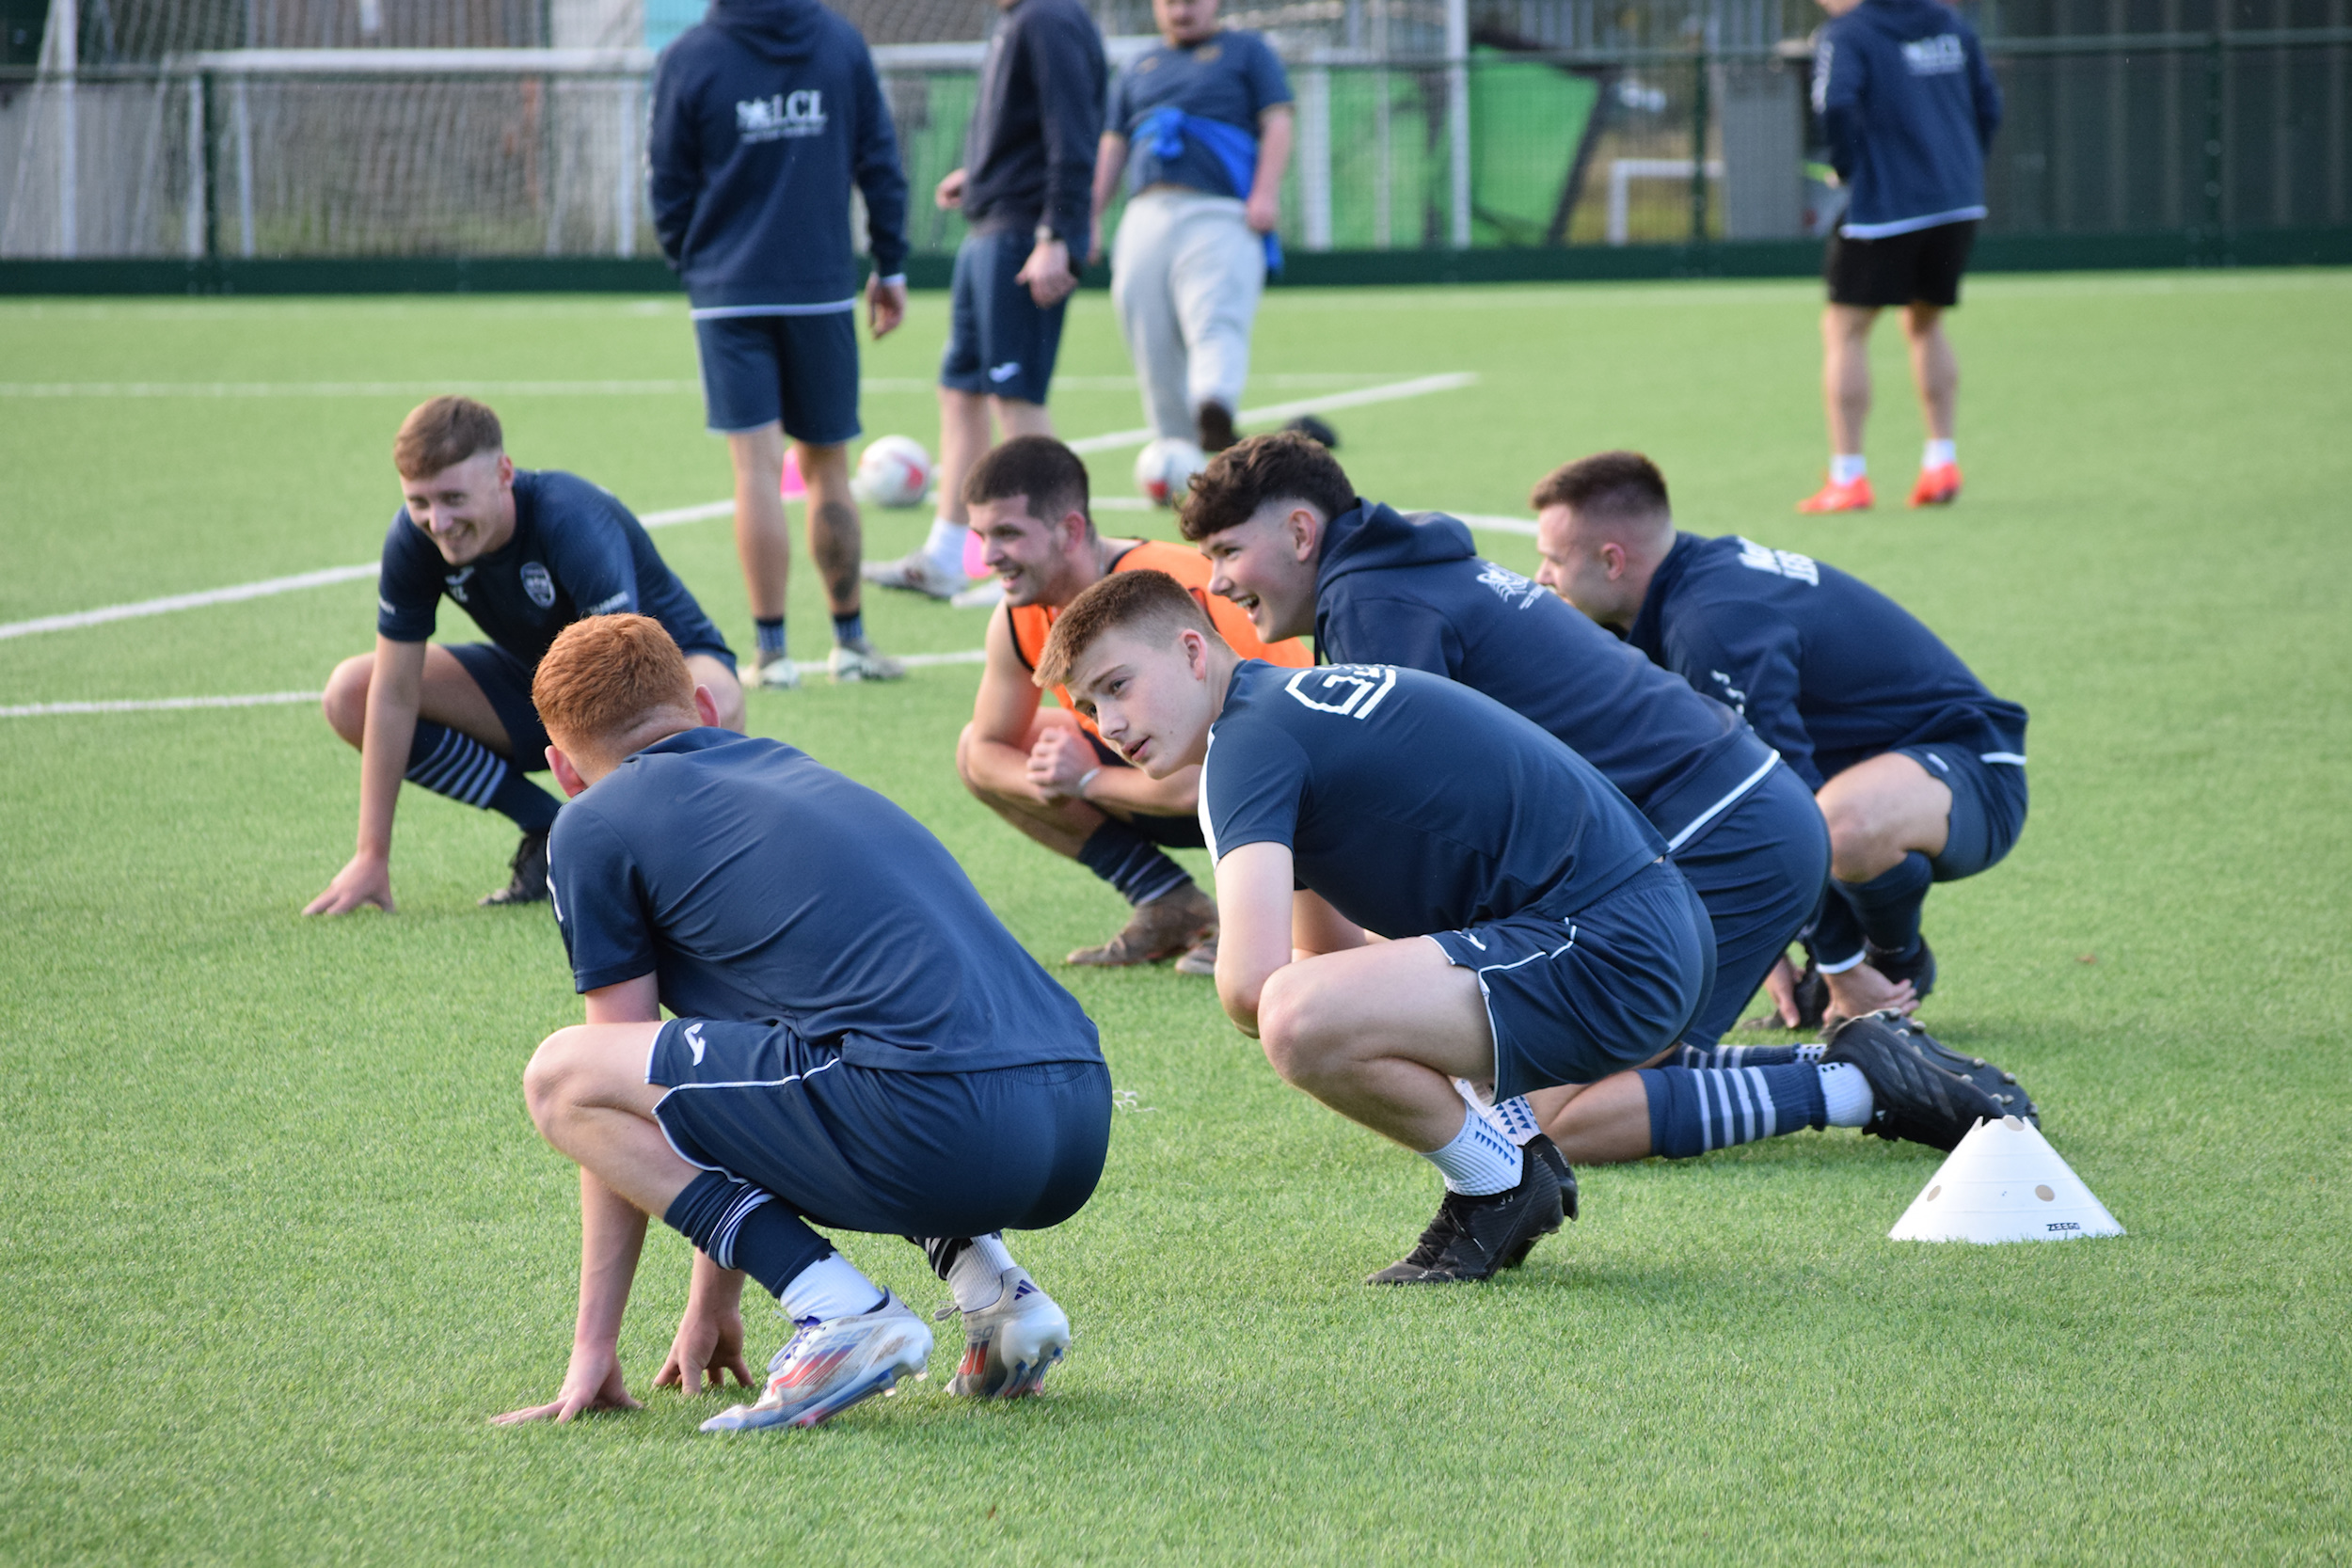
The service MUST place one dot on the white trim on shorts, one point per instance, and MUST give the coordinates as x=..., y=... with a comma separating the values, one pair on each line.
x=1690, y=829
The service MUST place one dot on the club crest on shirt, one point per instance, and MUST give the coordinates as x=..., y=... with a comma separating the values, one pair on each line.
x=1350, y=691
x=1508, y=585
x=1937, y=56
x=781, y=115
x=540, y=586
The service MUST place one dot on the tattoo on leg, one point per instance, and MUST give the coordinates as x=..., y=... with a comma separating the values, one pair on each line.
x=834, y=539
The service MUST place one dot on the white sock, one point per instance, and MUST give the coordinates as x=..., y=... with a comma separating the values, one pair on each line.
x=829, y=1288
x=1515, y=1118
x=1846, y=1093
x=1480, y=1160
x=978, y=1275
x=945, y=547
x=1940, y=454
x=1811, y=1052
x=1845, y=467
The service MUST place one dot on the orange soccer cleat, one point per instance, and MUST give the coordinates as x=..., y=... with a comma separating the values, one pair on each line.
x=1937, y=486
x=1835, y=497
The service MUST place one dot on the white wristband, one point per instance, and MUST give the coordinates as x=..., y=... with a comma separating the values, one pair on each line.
x=1084, y=778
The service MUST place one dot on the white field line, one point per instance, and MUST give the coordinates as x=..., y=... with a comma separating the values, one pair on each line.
x=287, y=699
x=670, y=387
x=1420, y=387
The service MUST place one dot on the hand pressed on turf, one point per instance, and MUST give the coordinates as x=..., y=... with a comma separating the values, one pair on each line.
x=367, y=880
x=708, y=1346
x=592, y=1383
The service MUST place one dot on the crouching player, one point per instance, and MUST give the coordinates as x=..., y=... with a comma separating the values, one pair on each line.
x=1043, y=769
x=857, y=1042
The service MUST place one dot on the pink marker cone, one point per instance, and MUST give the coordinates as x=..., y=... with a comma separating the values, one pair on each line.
x=794, y=487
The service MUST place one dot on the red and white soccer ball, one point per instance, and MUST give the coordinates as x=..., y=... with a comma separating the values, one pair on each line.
x=1164, y=469
x=894, y=470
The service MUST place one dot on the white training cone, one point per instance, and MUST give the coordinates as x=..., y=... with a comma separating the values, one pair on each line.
x=2003, y=1183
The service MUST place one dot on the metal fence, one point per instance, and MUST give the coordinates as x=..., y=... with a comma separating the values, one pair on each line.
x=500, y=153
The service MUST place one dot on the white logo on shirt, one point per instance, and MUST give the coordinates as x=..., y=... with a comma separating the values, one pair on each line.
x=1781, y=563
x=1937, y=56
x=606, y=606
x=786, y=114
x=1734, y=698
x=540, y=586
x=1508, y=585
x=1357, y=688
x=455, y=583
x=694, y=1038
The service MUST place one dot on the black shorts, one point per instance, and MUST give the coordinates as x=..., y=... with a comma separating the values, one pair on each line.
x=1169, y=832
x=868, y=1148
x=1921, y=267
x=800, y=371
x=998, y=342
x=505, y=680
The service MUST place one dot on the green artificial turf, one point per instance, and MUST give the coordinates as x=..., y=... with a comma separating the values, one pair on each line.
x=280, y=1236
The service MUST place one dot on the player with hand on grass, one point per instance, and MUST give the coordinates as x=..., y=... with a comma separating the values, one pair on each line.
x=526, y=555
x=763, y=116
x=1044, y=769
x=1291, y=542
x=856, y=1042
x=1919, y=770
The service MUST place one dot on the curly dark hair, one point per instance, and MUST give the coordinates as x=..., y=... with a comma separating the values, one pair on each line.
x=1284, y=467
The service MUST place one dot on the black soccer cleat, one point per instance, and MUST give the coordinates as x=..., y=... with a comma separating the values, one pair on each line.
x=2001, y=1086
x=1541, y=1148
x=1315, y=430
x=1215, y=421
x=1476, y=1238
x=1919, y=969
x=528, y=883
x=1812, y=996
x=1917, y=1098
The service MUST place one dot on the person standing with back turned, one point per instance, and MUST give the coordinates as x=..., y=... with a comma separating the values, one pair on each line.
x=763, y=116
x=1023, y=189
x=1910, y=107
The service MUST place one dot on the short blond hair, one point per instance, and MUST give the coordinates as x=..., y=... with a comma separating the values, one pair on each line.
x=442, y=432
x=605, y=677
x=1150, y=604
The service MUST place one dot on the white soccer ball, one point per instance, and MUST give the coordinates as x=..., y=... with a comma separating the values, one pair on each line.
x=1164, y=469
x=894, y=470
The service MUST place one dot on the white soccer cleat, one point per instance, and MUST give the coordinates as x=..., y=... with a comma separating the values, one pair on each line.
x=987, y=593
x=859, y=660
x=776, y=671
x=917, y=572
x=1008, y=1346
x=827, y=1366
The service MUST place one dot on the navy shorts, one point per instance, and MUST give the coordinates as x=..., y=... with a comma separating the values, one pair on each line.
x=1575, y=996
x=506, y=681
x=1169, y=832
x=875, y=1149
x=1988, y=806
x=797, y=371
x=1761, y=872
x=998, y=342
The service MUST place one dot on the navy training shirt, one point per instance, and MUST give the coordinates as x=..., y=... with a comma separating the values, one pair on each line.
x=1410, y=803
x=1231, y=76
x=1410, y=590
x=1028, y=154
x=577, y=552
x=1908, y=107
x=1827, y=669
x=757, y=885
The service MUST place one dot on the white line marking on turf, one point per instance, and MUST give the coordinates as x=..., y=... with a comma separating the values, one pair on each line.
x=286, y=699
x=1361, y=397
x=668, y=387
x=1502, y=525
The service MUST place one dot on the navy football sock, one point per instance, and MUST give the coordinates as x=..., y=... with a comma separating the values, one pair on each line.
x=1836, y=938
x=1692, y=1111
x=849, y=627
x=742, y=1226
x=1888, y=906
x=1735, y=1055
x=1131, y=862
x=449, y=762
x=767, y=636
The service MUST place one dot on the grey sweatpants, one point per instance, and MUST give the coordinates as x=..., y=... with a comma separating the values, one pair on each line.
x=1187, y=271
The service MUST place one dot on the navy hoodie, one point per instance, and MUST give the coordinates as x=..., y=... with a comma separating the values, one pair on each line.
x=1393, y=588
x=1827, y=668
x=1028, y=155
x=1908, y=107
x=762, y=115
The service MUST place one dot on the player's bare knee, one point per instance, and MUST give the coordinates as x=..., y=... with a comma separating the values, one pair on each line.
x=550, y=1082
x=345, y=701
x=1290, y=1027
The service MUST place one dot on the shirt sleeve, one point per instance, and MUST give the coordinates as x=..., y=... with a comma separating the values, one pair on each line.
x=1838, y=82
x=1269, y=86
x=1367, y=630
x=1745, y=655
x=1986, y=92
x=599, y=902
x=880, y=177
x=407, y=584
x=1066, y=60
x=1115, y=119
x=1250, y=787
x=673, y=159
x=588, y=548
